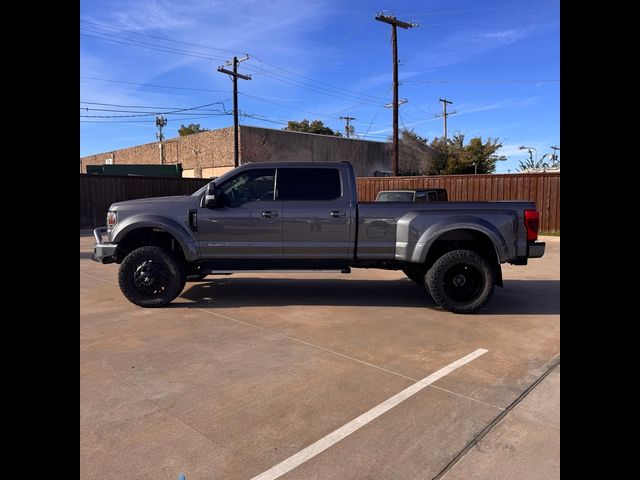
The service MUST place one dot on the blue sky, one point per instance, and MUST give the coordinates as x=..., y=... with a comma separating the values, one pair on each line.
x=497, y=60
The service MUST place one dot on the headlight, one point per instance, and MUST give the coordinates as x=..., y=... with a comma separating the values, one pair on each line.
x=112, y=219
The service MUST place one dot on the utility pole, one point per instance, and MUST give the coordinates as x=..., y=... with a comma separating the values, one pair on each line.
x=394, y=22
x=235, y=75
x=161, y=122
x=444, y=114
x=348, y=127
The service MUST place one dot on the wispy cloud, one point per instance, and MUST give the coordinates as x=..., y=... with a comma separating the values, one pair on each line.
x=466, y=44
x=511, y=102
x=153, y=15
x=223, y=26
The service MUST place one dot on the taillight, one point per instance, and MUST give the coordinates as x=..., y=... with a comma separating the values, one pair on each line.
x=112, y=219
x=532, y=223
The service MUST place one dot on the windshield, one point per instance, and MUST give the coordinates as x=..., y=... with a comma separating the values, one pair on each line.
x=395, y=197
x=200, y=191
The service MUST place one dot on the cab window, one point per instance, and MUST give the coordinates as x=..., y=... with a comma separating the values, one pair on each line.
x=421, y=197
x=250, y=186
x=308, y=184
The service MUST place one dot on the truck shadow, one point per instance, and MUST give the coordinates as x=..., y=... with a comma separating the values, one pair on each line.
x=524, y=297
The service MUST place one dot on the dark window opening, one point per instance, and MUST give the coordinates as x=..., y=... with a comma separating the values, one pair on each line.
x=308, y=184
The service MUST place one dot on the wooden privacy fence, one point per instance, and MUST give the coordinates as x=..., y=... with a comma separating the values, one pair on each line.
x=98, y=192
x=542, y=188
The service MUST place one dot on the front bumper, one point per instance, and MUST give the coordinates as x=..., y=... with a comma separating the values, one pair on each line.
x=103, y=252
x=536, y=249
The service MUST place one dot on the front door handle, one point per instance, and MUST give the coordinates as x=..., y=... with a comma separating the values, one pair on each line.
x=338, y=214
x=269, y=214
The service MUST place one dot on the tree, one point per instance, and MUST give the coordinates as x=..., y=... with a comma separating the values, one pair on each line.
x=415, y=154
x=475, y=157
x=531, y=165
x=441, y=150
x=190, y=129
x=316, y=126
x=447, y=157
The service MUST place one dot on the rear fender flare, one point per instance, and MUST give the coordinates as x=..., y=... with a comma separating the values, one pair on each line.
x=459, y=222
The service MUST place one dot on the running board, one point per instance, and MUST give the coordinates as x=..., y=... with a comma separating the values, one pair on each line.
x=308, y=270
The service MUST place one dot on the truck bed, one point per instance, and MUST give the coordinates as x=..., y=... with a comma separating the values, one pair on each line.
x=392, y=230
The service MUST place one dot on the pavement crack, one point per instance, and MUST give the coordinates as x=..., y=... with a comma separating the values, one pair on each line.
x=496, y=421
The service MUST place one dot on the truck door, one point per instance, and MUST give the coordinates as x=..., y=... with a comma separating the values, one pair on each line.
x=316, y=213
x=250, y=223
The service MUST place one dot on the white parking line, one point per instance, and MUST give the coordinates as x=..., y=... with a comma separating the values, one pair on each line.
x=359, y=422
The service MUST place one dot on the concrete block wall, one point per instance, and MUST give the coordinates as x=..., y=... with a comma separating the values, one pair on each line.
x=201, y=150
x=211, y=153
x=266, y=145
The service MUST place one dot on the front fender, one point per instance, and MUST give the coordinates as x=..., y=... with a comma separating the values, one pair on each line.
x=169, y=225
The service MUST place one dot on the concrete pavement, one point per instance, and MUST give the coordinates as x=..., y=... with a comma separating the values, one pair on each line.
x=525, y=444
x=242, y=372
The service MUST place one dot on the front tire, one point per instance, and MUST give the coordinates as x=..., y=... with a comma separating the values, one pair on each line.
x=151, y=276
x=461, y=281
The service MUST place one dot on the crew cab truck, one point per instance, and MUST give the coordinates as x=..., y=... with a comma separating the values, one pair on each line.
x=306, y=217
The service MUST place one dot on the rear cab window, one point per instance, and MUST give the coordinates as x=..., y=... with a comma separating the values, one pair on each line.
x=394, y=197
x=308, y=184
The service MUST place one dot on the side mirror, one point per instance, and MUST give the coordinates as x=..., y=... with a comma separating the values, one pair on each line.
x=214, y=196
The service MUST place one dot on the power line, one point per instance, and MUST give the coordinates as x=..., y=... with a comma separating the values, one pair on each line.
x=198, y=54
x=373, y=66
x=147, y=106
x=157, y=37
x=423, y=111
x=286, y=106
x=143, y=113
x=424, y=14
x=211, y=115
x=336, y=92
x=262, y=99
x=334, y=87
x=152, y=85
x=176, y=111
x=478, y=81
x=158, y=49
x=257, y=117
x=296, y=83
x=136, y=42
x=254, y=116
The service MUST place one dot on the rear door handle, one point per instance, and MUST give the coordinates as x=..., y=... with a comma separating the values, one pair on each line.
x=269, y=214
x=337, y=214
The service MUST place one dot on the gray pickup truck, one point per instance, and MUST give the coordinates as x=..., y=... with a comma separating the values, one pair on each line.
x=306, y=217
